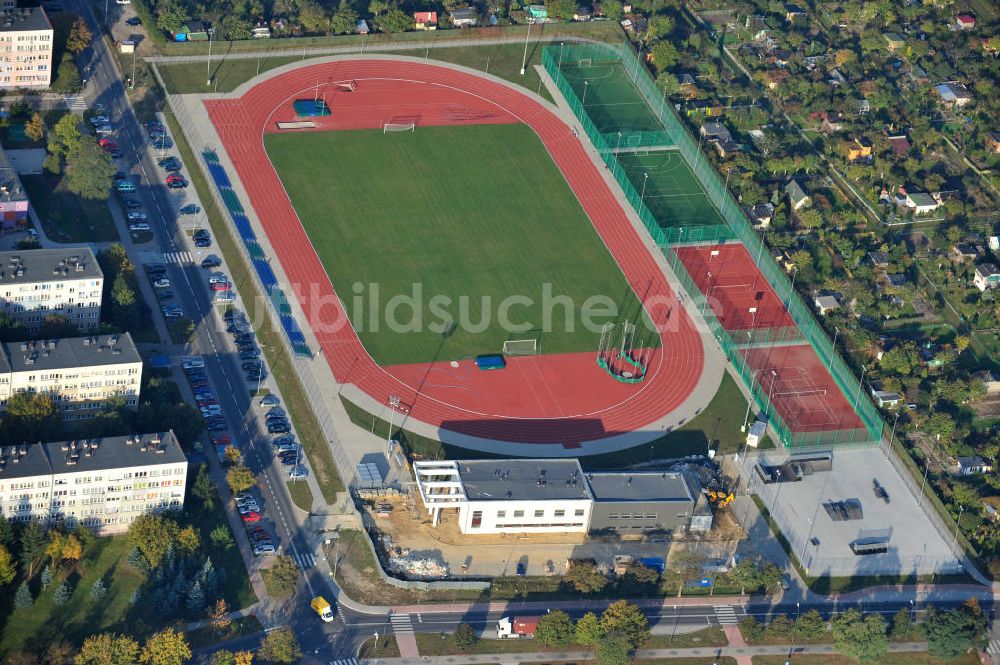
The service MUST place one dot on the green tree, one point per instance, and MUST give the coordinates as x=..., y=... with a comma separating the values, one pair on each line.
x=167, y=647
x=313, y=17
x=810, y=218
x=900, y=359
x=221, y=538
x=89, y=170
x=99, y=590
x=222, y=657
x=203, y=488
x=59, y=652
x=154, y=535
x=941, y=425
x=613, y=10
x=465, y=637
x=560, y=9
x=555, y=629
x=171, y=16
x=62, y=594
x=23, y=598
x=810, y=625
x=32, y=544
x=625, y=620
x=8, y=571
x=860, y=637
x=21, y=658
x=588, y=630
x=67, y=78
x=284, y=574
x=65, y=135
x=46, y=577
x=7, y=537
x=801, y=259
x=35, y=128
x=281, y=647
x=613, y=651
x=108, y=649
x=395, y=20
x=952, y=633
x=665, y=55
x=585, y=577
x=240, y=479
x=79, y=36
x=236, y=28
x=343, y=20
x=746, y=575
x=658, y=27
x=638, y=577
x=901, y=623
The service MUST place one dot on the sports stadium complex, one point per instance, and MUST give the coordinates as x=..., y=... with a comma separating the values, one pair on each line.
x=525, y=278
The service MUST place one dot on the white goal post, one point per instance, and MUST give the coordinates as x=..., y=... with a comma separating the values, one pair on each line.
x=398, y=127
x=585, y=62
x=520, y=347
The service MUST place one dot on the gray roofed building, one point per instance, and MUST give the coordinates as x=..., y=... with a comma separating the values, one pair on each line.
x=127, y=475
x=90, y=351
x=796, y=195
x=24, y=19
x=626, y=502
x=645, y=486
x=48, y=265
x=523, y=480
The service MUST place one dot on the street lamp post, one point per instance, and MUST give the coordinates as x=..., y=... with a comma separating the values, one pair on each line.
x=645, y=178
x=208, y=70
x=892, y=434
x=746, y=418
x=524, y=59
x=791, y=647
x=394, y=403
x=767, y=406
x=561, y=46
x=586, y=86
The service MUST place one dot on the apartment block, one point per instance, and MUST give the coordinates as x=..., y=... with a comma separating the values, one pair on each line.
x=101, y=483
x=38, y=283
x=25, y=47
x=81, y=373
x=13, y=199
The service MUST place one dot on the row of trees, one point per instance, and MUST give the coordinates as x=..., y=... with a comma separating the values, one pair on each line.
x=87, y=166
x=866, y=637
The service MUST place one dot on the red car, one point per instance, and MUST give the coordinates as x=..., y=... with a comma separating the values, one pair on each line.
x=251, y=518
x=220, y=286
x=173, y=177
x=222, y=440
x=107, y=143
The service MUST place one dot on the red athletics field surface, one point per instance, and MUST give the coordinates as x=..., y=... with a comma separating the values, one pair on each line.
x=563, y=399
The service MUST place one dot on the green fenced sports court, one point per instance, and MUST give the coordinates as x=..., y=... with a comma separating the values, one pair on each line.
x=633, y=131
x=466, y=213
x=668, y=188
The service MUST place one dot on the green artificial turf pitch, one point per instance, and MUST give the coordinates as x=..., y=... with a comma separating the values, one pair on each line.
x=466, y=213
x=609, y=97
x=672, y=192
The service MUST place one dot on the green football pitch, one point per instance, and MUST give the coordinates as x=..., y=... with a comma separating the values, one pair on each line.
x=609, y=97
x=474, y=216
x=671, y=191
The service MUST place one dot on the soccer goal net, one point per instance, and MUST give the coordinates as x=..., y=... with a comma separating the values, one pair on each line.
x=585, y=62
x=520, y=347
x=398, y=127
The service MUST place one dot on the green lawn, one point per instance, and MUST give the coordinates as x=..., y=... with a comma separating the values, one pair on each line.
x=469, y=216
x=65, y=216
x=46, y=622
x=300, y=493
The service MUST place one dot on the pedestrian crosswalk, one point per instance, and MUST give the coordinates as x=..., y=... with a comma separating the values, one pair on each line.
x=726, y=615
x=304, y=560
x=177, y=257
x=346, y=661
x=75, y=102
x=994, y=647
x=401, y=623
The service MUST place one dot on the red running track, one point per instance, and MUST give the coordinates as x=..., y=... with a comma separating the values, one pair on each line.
x=564, y=399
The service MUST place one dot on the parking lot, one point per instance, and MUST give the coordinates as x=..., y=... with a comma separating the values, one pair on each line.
x=823, y=544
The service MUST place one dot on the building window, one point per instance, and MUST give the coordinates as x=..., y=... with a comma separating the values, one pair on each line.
x=560, y=513
x=579, y=512
x=518, y=513
x=477, y=519
x=539, y=513
x=501, y=514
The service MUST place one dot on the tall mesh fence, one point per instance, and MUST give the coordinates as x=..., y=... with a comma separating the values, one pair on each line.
x=675, y=136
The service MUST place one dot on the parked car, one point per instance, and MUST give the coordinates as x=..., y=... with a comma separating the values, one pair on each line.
x=297, y=472
x=189, y=209
x=162, y=282
x=194, y=363
x=137, y=216
x=177, y=184
x=251, y=518
x=169, y=163
x=138, y=226
x=264, y=549
x=203, y=242
x=270, y=400
x=173, y=314
x=99, y=120
x=133, y=21
x=125, y=186
x=132, y=204
x=211, y=261
x=278, y=428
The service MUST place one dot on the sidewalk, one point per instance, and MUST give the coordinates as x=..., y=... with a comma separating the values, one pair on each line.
x=742, y=654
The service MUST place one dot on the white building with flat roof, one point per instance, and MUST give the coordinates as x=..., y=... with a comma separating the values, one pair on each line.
x=38, y=283
x=80, y=373
x=507, y=496
x=25, y=47
x=101, y=483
